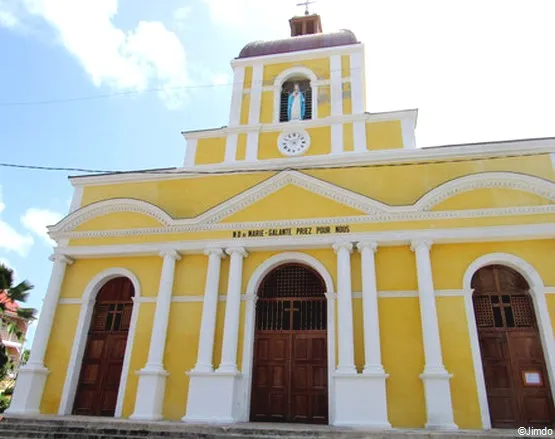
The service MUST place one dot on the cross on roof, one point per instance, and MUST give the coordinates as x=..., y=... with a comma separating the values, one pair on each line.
x=305, y=4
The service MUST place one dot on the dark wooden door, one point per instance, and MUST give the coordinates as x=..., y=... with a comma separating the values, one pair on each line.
x=515, y=374
x=100, y=376
x=290, y=373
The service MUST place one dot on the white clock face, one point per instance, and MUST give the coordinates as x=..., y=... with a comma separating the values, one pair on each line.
x=293, y=143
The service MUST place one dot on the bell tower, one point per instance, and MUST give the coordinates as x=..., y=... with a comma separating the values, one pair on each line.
x=306, y=24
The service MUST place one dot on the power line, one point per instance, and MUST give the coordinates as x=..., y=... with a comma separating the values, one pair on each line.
x=178, y=171
x=136, y=92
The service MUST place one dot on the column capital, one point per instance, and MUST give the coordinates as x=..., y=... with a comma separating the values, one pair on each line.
x=214, y=251
x=58, y=257
x=170, y=253
x=415, y=244
x=339, y=245
x=372, y=245
x=250, y=298
x=236, y=250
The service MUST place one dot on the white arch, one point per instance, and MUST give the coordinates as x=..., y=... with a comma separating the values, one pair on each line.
x=80, y=339
x=537, y=292
x=484, y=180
x=113, y=205
x=289, y=73
x=248, y=338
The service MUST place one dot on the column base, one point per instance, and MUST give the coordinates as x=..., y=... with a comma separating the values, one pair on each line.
x=150, y=394
x=360, y=400
x=222, y=406
x=437, y=393
x=29, y=387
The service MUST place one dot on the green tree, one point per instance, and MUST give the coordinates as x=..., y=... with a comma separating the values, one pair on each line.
x=14, y=293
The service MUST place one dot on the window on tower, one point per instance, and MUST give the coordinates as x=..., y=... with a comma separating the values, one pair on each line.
x=296, y=104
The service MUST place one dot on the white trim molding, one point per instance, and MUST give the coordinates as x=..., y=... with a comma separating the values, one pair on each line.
x=248, y=338
x=537, y=292
x=371, y=210
x=78, y=196
x=298, y=55
x=80, y=338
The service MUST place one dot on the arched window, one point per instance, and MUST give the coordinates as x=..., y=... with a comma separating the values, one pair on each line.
x=287, y=88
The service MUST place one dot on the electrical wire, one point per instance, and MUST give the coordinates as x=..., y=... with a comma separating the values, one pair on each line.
x=178, y=171
x=137, y=92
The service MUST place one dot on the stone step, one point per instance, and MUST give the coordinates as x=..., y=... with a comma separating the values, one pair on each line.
x=69, y=427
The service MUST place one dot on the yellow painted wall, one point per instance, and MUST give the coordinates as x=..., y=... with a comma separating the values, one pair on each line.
x=384, y=135
x=267, y=107
x=139, y=355
x=267, y=146
x=57, y=356
x=396, y=269
x=403, y=359
x=278, y=206
x=324, y=101
x=320, y=142
x=245, y=105
x=180, y=356
x=321, y=67
x=348, y=142
x=248, y=77
x=241, y=147
x=180, y=198
x=345, y=66
x=457, y=358
x=119, y=220
x=347, y=102
x=82, y=271
x=190, y=275
x=495, y=197
x=450, y=262
x=210, y=150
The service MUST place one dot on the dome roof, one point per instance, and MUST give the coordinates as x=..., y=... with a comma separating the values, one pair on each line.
x=304, y=42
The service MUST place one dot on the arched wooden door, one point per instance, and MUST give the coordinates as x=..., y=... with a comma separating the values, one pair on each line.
x=98, y=386
x=290, y=372
x=517, y=383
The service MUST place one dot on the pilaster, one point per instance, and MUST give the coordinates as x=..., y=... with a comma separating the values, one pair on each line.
x=32, y=377
x=439, y=408
x=346, y=364
x=152, y=378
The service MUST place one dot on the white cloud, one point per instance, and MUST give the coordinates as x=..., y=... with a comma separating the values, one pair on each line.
x=10, y=238
x=149, y=56
x=36, y=220
x=181, y=17
x=477, y=70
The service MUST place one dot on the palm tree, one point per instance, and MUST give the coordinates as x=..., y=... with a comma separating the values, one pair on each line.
x=12, y=293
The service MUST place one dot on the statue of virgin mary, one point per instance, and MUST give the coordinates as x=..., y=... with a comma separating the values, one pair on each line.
x=296, y=104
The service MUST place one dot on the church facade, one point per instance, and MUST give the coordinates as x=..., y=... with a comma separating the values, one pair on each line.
x=307, y=263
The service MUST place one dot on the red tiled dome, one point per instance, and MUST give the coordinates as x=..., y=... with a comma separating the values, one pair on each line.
x=343, y=37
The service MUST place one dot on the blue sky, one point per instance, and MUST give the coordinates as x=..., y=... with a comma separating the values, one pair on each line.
x=477, y=71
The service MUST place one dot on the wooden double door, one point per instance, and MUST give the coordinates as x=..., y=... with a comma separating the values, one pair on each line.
x=99, y=381
x=517, y=383
x=290, y=372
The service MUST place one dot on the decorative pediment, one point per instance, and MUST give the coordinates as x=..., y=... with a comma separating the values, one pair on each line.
x=354, y=207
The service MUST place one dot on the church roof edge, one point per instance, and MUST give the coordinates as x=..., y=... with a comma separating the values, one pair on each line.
x=341, y=37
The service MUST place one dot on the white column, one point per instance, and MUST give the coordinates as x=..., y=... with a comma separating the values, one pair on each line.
x=191, y=152
x=152, y=378
x=370, y=316
x=345, y=308
x=336, y=100
x=232, y=310
x=209, y=310
x=32, y=377
x=236, y=95
x=357, y=80
x=256, y=94
x=437, y=392
x=336, y=86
